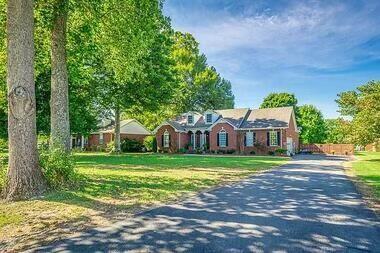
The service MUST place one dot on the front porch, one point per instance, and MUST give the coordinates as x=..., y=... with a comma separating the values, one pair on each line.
x=198, y=140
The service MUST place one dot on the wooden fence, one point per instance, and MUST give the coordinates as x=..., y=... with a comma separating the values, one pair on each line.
x=333, y=149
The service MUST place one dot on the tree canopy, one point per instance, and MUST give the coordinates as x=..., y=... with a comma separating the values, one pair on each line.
x=363, y=105
x=312, y=124
x=279, y=100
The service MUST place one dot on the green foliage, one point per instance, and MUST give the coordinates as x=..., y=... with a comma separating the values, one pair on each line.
x=338, y=131
x=313, y=129
x=131, y=146
x=3, y=170
x=363, y=105
x=281, y=151
x=252, y=152
x=150, y=143
x=279, y=100
x=271, y=153
x=3, y=145
x=58, y=168
x=110, y=147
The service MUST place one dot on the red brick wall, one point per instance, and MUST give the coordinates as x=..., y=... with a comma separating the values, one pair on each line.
x=173, y=139
x=292, y=133
x=93, y=139
x=261, y=148
x=232, y=137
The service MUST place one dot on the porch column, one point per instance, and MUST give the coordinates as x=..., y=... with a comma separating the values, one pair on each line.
x=82, y=142
x=194, y=143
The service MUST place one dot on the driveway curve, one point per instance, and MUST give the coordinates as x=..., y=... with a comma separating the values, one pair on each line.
x=307, y=205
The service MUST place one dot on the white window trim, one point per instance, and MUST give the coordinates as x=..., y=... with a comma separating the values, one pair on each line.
x=225, y=138
x=246, y=139
x=270, y=139
x=101, y=138
x=166, y=139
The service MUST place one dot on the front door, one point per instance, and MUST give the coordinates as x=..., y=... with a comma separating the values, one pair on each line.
x=289, y=146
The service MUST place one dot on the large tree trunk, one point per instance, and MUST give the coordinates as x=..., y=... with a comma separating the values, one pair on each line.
x=59, y=103
x=117, y=130
x=25, y=178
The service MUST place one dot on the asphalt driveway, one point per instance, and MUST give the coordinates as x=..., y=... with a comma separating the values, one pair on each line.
x=308, y=205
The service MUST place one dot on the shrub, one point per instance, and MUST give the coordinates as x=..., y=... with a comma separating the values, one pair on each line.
x=198, y=151
x=58, y=168
x=231, y=151
x=131, y=146
x=110, y=147
x=43, y=142
x=270, y=152
x=3, y=170
x=221, y=151
x=252, y=152
x=281, y=151
x=182, y=150
x=3, y=145
x=150, y=143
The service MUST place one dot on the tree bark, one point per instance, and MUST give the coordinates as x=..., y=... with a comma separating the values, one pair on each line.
x=59, y=101
x=24, y=178
x=117, y=130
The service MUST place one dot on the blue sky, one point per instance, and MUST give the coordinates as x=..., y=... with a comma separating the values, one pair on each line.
x=314, y=49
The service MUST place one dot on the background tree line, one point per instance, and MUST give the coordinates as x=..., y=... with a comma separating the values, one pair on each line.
x=359, y=122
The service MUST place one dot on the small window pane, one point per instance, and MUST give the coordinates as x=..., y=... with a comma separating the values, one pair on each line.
x=166, y=140
x=249, y=139
x=208, y=118
x=190, y=119
x=273, y=141
x=222, y=139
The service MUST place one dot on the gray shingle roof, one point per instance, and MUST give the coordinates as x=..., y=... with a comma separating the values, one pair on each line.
x=268, y=118
x=234, y=116
x=244, y=118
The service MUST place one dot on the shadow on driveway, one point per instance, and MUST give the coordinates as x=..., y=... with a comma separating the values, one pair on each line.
x=308, y=205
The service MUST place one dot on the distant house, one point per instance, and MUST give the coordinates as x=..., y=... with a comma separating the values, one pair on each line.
x=245, y=131
x=129, y=129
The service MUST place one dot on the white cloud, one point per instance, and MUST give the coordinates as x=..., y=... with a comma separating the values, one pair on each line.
x=309, y=35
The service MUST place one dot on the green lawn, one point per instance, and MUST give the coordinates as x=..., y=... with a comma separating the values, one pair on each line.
x=367, y=168
x=112, y=184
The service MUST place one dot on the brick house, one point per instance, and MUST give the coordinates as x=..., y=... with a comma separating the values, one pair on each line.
x=129, y=129
x=245, y=131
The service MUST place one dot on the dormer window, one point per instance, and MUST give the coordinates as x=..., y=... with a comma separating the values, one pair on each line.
x=208, y=118
x=190, y=119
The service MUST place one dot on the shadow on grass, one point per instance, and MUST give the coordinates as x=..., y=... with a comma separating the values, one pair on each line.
x=126, y=191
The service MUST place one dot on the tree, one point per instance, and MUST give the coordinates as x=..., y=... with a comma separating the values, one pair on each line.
x=59, y=102
x=200, y=86
x=134, y=50
x=312, y=124
x=338, y=131
x=363, y=105
x=279, y=100
x=24, y=177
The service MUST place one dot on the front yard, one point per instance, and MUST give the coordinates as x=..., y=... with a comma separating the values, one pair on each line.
x=113, y=186
x=367, y=168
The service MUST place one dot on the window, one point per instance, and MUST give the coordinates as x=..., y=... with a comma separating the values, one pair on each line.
x=166, y=139
x=190, y=119
x=249, y=139
x=208, y=118
x=273, y=138
x=222, y=139
x=101, y=138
